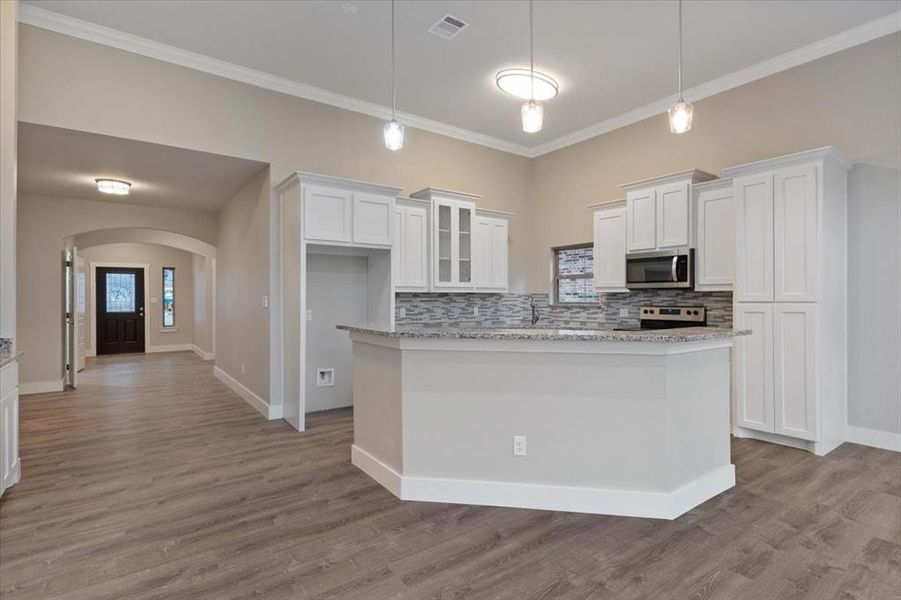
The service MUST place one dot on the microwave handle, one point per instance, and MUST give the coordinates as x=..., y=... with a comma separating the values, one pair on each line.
x=673, y=269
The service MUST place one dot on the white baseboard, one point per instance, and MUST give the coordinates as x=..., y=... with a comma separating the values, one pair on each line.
x=655, y=505
x=202, y=353
x=168, y=348
x=41, y=387
x=264, y=408
x=876, y=438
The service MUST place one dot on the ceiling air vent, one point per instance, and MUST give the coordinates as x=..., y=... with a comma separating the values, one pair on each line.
x=448, y=27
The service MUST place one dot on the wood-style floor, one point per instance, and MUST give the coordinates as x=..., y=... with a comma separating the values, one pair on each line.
x=153, y=480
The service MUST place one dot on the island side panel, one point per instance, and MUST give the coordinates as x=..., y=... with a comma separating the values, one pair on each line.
x=591, y=420
x=378, y=433
x=698, y=424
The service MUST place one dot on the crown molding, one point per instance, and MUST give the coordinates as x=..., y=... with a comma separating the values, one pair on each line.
x=798, y=158
x=85, y=30
x=99, y=34
x=841, y=41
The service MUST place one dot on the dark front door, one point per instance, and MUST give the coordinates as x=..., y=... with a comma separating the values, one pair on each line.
x=120, y=310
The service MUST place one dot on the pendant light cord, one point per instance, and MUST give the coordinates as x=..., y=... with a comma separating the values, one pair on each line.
x=532, y=54
x=393, y=83
x=680, y=52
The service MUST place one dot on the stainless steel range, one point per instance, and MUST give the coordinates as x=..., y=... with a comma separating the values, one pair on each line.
x=670, y=317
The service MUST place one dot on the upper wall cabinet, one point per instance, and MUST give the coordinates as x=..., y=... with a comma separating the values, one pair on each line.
x=609, y=227
x=714, y=209
x=343, y=212
x=490, y=256
x=411, y=245
x=658, y=211
x=468, y=247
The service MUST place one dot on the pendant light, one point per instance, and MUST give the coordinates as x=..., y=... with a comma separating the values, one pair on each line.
x=393, y=131
x=532, y=112
x=680, y=113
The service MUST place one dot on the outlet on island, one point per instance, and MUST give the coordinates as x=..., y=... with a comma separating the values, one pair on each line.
x=519, y=445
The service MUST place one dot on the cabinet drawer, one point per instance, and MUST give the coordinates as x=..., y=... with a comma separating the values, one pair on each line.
x=9, y=378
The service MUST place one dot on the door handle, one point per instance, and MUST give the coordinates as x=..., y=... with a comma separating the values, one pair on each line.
x=673, y=269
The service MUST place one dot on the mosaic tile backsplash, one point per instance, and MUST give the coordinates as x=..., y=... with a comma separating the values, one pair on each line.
x=459, y=310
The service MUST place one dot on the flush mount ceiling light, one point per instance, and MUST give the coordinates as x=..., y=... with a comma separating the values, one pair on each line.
x=518, y=82
x=113, y=186
x=681, y=113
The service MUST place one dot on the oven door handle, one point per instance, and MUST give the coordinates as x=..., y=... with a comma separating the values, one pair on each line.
x=673, y=269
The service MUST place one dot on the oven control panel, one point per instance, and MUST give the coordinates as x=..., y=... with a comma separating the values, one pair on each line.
x=673, y=313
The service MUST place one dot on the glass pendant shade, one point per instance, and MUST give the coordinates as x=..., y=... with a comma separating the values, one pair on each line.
x=394, y=135
x=680, y=115
x=532, y=116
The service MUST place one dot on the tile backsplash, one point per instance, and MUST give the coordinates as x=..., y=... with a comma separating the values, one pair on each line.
x=490, y=310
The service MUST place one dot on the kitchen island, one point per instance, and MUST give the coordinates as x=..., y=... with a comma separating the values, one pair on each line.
x=597, y=421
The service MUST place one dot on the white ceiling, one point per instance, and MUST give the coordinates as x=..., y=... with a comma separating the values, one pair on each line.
x=610, y=57
x=64, y=163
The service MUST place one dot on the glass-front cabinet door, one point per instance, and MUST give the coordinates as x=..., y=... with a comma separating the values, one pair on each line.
x=453, y=243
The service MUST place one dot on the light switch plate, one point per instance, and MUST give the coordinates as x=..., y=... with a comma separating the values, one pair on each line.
x=624, y=312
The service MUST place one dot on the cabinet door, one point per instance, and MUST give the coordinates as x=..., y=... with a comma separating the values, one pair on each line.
x=465, y=216
x=416, y=254
x=715, y=254
x=753, y=355
x=754, y=238
x=398, y=252
x=673, y=216
x=641, y=220
x=795, y=227
x=444, y=244
x=610, y=249
x=327, y=214
x=373, y=219
x=794, y=343
x=500, y=254
x=481, y=253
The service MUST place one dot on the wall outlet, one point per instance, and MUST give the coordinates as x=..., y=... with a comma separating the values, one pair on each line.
x=153, y=299
x=242, y=368
x=519, y=445
x=475, y=311
x=309, y=315
x=325, y=377
x=265, y=301
x=624, y=312
x=403, y=312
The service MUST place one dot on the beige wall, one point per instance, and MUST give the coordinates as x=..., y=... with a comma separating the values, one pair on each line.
x=8, y=55
x=157, y=257
x=43, y=222
x=242, y=279
x=850, y=99
x=204, y=298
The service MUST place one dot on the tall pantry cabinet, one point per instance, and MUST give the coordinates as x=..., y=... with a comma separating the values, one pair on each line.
x=790, y=375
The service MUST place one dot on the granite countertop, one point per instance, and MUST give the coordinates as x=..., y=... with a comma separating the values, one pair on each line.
x=9, y=357
x=686, y=334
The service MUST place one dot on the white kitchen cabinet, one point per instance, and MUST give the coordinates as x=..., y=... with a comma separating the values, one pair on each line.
x=327, y=214
x=715, y=230
x=411, y=246
x=373, y=219
x=659, y=211
x=753, y=367
x=641, y=220
x=795, y=234
x=791, y=217
x=610, y=247
x=673, y=212
x=452, y=220
x=794, y=370
x=490, y=255
x=754, y=238
x=9, y=426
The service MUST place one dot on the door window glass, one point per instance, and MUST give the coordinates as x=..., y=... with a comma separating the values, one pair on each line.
x=120, y=292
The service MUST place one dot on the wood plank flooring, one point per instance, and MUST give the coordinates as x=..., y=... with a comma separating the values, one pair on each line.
x=153, y=480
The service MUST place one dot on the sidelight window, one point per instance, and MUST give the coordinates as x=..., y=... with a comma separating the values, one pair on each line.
x=168, y=296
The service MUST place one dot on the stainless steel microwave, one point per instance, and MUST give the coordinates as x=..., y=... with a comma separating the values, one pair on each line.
x=667, y=269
